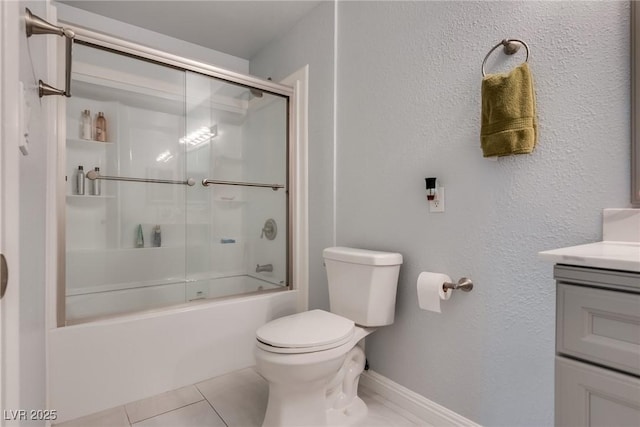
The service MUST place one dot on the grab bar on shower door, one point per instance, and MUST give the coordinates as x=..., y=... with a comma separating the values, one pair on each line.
x=208, y=182
x=92, y=175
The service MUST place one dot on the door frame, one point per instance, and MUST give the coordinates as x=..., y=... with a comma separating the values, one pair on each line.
x=9, y=201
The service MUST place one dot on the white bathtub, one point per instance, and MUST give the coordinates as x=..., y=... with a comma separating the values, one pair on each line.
x=98, y=365
x=96, y=302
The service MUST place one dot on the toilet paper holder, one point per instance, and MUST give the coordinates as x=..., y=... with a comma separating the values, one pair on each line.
x=464, y=284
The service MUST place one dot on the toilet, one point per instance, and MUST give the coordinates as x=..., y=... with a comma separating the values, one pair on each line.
x=312, y=360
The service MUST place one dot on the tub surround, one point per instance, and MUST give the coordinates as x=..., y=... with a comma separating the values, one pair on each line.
x=619, y=250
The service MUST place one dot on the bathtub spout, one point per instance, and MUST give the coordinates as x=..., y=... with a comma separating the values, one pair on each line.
x=267, y=267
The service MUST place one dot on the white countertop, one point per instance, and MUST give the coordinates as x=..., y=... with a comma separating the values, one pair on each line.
x=608, y=254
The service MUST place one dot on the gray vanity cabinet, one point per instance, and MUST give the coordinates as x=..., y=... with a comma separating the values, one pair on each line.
x=597, y=347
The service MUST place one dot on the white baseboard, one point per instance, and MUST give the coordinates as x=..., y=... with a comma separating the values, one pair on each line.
x=423, y=408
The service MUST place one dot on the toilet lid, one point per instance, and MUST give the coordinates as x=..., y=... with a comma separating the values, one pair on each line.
x=313, y=330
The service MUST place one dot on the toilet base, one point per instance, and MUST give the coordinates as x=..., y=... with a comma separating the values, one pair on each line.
x=314, y=389
x=354, y=413
x=296, y=406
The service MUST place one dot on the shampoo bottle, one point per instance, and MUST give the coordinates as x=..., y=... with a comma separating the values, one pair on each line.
x=80, y=181
x=101, y=128
x=139, y=237
x=85, y=130
x=157, y=236
x=95, y=184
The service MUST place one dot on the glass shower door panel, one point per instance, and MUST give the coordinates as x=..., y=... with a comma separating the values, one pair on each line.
x=238, y=134
x=125, y=247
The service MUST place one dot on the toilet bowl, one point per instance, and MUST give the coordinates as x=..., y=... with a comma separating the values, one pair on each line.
x=316, y=382
x=312, y=360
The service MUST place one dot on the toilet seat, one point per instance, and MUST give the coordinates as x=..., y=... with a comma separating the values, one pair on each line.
x=306, y=332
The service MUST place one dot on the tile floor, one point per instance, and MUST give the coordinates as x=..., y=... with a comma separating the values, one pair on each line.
x=237, y=399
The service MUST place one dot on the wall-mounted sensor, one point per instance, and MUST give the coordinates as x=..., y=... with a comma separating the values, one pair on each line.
x=432, y=188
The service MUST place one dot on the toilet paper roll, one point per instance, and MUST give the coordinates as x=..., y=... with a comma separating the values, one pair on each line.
x=430, y=291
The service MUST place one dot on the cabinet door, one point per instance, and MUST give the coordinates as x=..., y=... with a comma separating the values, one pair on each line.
x=591, y=396
x=599, y=325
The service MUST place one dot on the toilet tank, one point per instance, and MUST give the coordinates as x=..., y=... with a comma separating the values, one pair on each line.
x=362, y=284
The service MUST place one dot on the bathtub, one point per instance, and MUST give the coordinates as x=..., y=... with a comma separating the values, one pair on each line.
x=105, y=363
x=84, y=304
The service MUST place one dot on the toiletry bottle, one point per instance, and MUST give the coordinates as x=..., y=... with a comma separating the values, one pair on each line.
x=157, y=237
x=101, y=128
x=95, y=184
x=139, y=237
x=86, y=125
x=80, y=181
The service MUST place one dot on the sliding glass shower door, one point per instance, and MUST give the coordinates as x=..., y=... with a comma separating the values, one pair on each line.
x=237, y=224
x=142, y=229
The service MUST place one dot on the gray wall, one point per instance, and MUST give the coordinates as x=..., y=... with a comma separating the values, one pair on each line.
x=311, y=42
x=408, y=107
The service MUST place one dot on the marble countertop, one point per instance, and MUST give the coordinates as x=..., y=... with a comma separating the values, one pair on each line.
x=611, y=255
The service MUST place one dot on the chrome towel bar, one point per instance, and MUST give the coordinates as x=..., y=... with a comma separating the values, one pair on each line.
x=208, y=182
x=92, y=175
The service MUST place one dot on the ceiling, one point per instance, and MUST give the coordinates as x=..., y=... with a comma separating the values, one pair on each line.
x=239, y=28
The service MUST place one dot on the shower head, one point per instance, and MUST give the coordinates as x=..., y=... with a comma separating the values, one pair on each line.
x=256, y=92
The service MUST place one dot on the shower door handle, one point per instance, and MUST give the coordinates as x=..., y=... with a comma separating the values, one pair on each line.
x=208, y=182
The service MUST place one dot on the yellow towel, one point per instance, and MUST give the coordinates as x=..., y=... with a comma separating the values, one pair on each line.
x=509, y=124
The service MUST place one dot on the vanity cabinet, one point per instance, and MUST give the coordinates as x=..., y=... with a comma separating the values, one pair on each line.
x=597, y=347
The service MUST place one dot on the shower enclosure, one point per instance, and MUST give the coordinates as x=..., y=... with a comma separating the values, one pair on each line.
x=184, y=199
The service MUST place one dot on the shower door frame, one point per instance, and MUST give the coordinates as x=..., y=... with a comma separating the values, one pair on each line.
x=296, y=161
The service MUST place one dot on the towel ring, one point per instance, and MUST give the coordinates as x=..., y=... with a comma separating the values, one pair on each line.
x=511, y=46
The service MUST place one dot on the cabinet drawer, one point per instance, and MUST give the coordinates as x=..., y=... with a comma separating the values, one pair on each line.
x=587, y=395
x=599, y=325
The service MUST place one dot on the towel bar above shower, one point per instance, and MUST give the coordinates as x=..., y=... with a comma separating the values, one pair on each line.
x=208, y=182
x=35, y=25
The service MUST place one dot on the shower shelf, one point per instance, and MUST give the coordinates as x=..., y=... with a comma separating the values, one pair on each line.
x=228, y=203
x=93, y=81
x=88, y=196
x=76, y=142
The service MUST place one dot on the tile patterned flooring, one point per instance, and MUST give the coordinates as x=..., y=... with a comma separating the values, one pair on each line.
x=237, y=399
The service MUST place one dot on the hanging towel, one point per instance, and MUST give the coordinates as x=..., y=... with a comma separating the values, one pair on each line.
x=509, y=124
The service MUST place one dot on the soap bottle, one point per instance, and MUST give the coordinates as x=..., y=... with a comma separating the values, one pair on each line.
x=157, y=236
x=101, y=128
x=139, y=237
x=86, y=125
x=95, y=184
x=80, y=181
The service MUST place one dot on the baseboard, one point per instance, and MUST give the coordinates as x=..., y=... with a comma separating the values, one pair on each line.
x=423, y=408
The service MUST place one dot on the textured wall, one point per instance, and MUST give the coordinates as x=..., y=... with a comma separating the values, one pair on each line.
x=311, y=42
x=408, y=106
